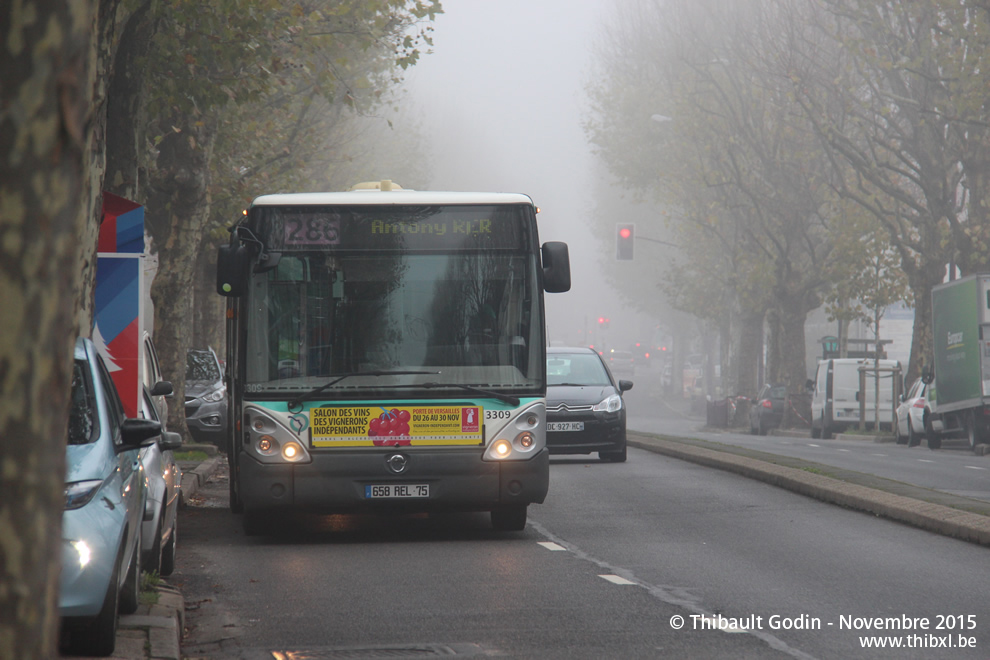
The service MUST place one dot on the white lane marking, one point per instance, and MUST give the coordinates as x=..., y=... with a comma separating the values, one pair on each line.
x=813, y=445
x=878, y=454
x=974, y=467
x=924, y=460
x=550, y=545
x=615, y=579
x=845, y=450
x=677, y=597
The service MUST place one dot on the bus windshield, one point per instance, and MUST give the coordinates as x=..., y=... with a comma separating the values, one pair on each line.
x=449, y=291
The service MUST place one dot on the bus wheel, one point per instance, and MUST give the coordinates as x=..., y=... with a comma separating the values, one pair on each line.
x=510, y=518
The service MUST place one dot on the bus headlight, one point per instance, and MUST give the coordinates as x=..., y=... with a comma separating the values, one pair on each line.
x=522, y=438
x=269, y=441
x=292, y=452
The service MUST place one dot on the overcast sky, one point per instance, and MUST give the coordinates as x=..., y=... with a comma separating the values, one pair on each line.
x=502, y=100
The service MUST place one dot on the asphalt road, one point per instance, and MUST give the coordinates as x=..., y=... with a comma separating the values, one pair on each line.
x=616, y=554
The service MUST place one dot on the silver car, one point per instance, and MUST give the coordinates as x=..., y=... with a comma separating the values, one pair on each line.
x=105, y=492
x=161, y=520
x=206, y=397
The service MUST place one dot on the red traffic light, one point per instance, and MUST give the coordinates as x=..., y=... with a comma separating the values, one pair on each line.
x=624, y=241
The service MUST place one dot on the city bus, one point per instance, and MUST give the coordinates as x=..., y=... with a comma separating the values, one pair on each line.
x=386, y=352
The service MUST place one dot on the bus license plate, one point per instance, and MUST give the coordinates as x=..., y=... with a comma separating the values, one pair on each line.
x=565, y=426
x=391, y=491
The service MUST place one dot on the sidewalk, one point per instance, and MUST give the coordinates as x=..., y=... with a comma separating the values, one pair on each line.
x=154, y=632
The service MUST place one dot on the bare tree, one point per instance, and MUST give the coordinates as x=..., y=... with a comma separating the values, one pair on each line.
x=741, y=165
x=902, y=105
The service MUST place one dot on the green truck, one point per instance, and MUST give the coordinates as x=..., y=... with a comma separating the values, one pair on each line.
x=960, y=403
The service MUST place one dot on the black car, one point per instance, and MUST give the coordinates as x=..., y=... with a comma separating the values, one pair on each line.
x=767, y=411
x=585, y=411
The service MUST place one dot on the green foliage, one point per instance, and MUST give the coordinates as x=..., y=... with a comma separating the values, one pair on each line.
x=868, y=277
x=290, y=89
x=149, y=588
x=207, y=55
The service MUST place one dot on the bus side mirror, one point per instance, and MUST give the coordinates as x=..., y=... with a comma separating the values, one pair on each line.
x=232, y=270
x=556, y=267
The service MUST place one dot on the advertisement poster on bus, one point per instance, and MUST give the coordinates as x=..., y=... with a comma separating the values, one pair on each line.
x=395, y=426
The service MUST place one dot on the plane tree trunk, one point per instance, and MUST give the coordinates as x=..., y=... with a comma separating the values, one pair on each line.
x=51, y=157
x=177, y=211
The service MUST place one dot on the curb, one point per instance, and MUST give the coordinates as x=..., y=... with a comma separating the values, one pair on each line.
x=931, y=516
x=161, y=625
x=193, y=479
x=155, y=631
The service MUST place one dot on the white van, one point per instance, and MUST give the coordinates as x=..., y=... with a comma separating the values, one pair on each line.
x=835, y=404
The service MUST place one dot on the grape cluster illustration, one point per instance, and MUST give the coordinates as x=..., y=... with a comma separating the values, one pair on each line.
x=390, y=429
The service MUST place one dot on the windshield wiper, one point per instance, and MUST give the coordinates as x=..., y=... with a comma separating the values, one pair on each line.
x=505, y=398
x=297, y=402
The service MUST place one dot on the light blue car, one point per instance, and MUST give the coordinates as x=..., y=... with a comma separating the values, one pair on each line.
x=105, y=494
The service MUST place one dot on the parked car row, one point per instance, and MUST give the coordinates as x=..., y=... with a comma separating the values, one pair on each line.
x=118, y=471
x=122, y=489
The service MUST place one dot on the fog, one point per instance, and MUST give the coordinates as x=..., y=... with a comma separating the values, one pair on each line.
x=501, y=100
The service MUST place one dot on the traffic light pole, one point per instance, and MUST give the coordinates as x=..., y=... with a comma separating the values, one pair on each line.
x=656, y=240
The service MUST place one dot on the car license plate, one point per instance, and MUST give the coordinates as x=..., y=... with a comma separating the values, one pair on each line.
x=391, y=491
x=565, y=426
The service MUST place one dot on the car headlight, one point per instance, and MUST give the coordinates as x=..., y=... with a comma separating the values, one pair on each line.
x=215, y=395
x=610, y=404
x=79, y=494
x=83, y=552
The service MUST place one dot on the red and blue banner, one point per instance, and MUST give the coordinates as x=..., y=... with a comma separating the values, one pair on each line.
x=122, y=228
x=119, y=287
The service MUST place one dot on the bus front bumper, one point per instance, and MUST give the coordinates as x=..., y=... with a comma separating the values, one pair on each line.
x=337, y=481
